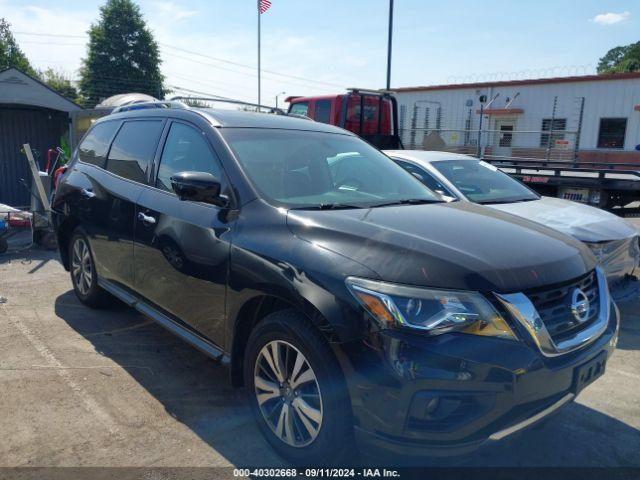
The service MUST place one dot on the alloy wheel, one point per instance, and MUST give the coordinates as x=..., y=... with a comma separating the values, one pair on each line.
x=81, y=266
x=288, y=393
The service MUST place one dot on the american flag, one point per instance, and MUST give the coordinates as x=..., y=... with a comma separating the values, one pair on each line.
x=263, y=5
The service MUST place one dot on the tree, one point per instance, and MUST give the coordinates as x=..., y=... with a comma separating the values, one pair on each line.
x=621, y=59
x=60, y=83
x=10, y=53
x=123, y=55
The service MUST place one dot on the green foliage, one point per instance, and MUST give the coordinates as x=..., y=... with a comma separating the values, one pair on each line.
x=66, y=148
x=123, y=55
x=621, y=59
x=60, y=83
x=10, y=53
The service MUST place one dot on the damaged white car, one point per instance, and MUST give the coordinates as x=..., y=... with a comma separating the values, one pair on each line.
x=613, y=240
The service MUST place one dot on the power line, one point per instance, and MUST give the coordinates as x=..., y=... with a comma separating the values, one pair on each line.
x=191, y=52
x=249, y=66
x=54, y=43
x=200, y=62
x=50, y=35
x=209, y=83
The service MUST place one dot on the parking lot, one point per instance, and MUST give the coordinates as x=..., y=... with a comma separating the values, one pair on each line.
x=111, y=388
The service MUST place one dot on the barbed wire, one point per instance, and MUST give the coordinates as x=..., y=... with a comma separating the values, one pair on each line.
x=524, y=74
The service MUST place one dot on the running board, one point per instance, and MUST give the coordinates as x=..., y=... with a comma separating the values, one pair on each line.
x=174, y=327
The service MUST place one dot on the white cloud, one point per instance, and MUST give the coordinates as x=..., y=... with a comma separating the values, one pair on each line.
x=173, y=11
x=611, y=18
x=62, y=53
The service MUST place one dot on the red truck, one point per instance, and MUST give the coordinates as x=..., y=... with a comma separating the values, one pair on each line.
x=373, y=115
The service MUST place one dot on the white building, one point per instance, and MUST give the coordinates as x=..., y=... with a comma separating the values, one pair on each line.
x=593, y=118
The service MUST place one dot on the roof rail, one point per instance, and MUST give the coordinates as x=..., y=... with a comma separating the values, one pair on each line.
x=145, y=105
x=275, y=110
x=182, y=103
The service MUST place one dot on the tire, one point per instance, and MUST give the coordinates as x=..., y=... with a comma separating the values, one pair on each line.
x=317, y=401
x=83, y=273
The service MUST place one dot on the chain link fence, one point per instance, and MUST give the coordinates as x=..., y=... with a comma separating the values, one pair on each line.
x=488, y=133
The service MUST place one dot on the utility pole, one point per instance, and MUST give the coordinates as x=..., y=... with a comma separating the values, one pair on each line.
x=389, y=44
x=258, y=10
x=281, y=93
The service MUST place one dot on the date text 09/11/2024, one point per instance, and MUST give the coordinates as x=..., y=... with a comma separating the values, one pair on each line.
x=317, y=472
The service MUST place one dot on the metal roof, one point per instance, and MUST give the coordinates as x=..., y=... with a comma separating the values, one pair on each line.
x=533, y=81
x=18, y=88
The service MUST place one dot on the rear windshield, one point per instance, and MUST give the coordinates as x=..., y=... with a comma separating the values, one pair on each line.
x=301, y=169
x=481, y=182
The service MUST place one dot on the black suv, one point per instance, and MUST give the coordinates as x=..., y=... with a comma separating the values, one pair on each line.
x=348, y=299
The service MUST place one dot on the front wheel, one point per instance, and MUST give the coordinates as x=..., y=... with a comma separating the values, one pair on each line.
x=83, y=272
x=297, y=391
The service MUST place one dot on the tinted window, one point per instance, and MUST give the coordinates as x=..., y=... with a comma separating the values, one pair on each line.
x=185, y=150
x=323, y=111
x=94, y=147
x=612, y=132
x=313, y=169
x=481, y=182
x=425, y=177
x=133, y=149
x=299, y=108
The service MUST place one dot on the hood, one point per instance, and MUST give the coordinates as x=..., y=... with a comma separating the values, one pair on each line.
x=588, y=224
x=455, y=245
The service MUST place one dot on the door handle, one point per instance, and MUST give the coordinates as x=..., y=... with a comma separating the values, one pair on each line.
x=146, y=219
x=85, y=193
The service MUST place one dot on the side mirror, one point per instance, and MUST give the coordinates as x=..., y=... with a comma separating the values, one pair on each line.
x=198, y=187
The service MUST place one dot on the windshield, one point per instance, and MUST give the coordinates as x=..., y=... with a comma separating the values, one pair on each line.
x=481, y=182
x=304, y=169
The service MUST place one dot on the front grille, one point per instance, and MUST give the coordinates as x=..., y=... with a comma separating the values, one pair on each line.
x=554, y=306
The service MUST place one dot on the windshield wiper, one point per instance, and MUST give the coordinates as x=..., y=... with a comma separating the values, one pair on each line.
x=407, y=201
x=327, y=206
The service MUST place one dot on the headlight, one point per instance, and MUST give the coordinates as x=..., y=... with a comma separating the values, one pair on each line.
x=431, y=311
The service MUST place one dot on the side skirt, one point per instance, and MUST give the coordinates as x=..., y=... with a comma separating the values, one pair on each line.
x=174, y=327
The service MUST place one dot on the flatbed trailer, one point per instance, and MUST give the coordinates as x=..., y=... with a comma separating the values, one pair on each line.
x=611, y=186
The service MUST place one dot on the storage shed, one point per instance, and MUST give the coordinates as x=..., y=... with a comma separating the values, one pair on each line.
x=30, y=112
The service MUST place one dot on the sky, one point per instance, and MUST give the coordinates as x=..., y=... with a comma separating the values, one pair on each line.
x=325, y=46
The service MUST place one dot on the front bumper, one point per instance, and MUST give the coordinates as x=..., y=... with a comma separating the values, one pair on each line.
x=446, y=395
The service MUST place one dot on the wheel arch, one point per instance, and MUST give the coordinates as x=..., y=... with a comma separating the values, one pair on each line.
x=64, y=233
x=254, y=310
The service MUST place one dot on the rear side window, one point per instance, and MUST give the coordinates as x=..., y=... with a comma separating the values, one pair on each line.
x=300, y=108
x=95, y=145
x=323, y=111
x=185, y=150
x=133, y=149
